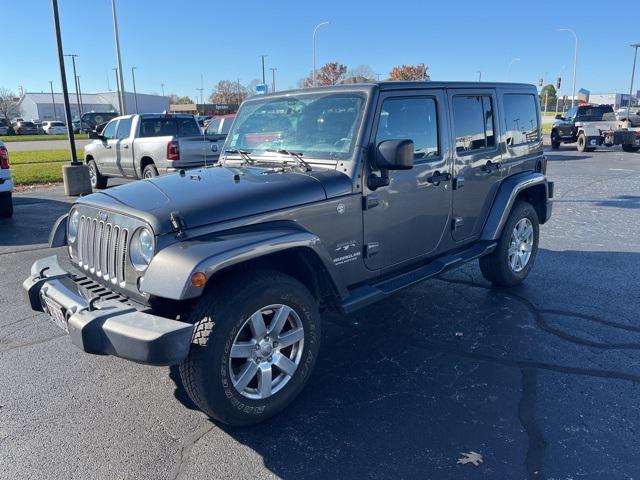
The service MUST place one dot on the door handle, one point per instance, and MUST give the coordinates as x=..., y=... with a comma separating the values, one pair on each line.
x=125, y=146
x=438, y=177
x=107, y=146
x=491, y=167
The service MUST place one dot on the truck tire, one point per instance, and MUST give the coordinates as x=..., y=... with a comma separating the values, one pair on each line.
x=555, y=140
x=255, y=342
x=98, y=181
x=150, y=171
x=6, y=206
x=510, y=263
x=582, y=143
x=630, y=148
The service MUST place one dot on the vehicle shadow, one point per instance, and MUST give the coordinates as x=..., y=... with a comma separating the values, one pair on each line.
x=453, y=365
x=619, y=201
x=32, y=220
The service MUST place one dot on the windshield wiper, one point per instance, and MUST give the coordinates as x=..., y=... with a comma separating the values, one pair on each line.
x=296, y=156
x=246, y=158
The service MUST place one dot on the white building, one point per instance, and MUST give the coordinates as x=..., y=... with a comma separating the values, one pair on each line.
x=617, y=100
x=40, y=106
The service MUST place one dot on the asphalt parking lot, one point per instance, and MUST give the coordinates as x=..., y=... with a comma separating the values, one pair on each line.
x=541, y=380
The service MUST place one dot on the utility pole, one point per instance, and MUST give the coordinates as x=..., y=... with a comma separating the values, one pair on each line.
x=575, y=62
x=135, y=93
x=239, y=102
x=119, y=59
x=264, y=80
x=479, y=76
x=633, y=72
x=117, y=84
x=162, y=87
x=313, y=41
x=75, y=80
x=53, y=101
x=75, y=175
x=81, y=104
x=273, y=79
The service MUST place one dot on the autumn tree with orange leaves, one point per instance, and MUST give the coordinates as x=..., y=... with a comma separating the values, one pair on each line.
x=409, y=72
x=330, y=74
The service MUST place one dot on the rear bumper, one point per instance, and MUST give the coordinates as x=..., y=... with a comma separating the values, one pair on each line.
x=107, y=327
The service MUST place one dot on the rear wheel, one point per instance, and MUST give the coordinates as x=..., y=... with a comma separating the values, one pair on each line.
x=255, y=342
x=517, y=248
x=6, y=206
x=630, y=148
x=98, y=181
x=555, y=140
x=150, y=171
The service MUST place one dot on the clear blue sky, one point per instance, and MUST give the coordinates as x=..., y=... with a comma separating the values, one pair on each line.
x=174, y=42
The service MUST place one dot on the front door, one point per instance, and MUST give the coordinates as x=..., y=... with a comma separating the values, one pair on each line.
x=406, y=220
x=105, y=154
x=477, y=165
x=124, y=149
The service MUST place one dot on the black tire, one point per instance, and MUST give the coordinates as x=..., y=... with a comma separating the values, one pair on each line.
x=150, y=171
x=496, y=266
x=630, y=148
x=219, y=317
x=98, y=181
x=555, y=140
x=582, y=143
x=6, y=206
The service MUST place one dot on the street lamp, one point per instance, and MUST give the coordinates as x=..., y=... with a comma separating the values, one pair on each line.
x=53, y=100
x=575, y=62
x=75, y=80
x=511, y=65
x=135, y=93
x=479, y=76
x=162, y=87
x=313, y=72
x=273, y=78
x=119, y=59
x=264, y=81
x=633, y=71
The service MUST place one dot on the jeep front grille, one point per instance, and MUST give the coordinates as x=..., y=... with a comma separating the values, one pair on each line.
x=102, y=249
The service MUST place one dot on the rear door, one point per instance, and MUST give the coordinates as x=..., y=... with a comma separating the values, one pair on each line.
x=406, y=220
x=477, y=159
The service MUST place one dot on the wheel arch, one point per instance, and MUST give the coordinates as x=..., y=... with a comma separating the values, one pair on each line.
x=144, y=161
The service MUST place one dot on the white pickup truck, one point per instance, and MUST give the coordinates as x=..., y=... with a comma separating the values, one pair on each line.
x=148, y=145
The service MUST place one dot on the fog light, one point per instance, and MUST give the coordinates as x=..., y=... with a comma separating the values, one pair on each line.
x=198, y=279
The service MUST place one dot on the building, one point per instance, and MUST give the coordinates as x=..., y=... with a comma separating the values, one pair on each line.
x=40, y=106
x=204, y=109
x=617, y=100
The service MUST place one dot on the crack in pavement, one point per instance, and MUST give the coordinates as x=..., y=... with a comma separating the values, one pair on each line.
x=527, y=417
x=187, y=444
x=28, y=344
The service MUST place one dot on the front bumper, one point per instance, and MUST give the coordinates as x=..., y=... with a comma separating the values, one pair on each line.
x=107, y=326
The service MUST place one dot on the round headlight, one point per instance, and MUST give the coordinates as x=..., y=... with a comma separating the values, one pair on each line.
x=72, y=227
x=141, y=251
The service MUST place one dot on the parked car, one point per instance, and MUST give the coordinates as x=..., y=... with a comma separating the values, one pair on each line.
x=6, y=128
x=90, y=120
x=144, y=146
x=219, y=126
x=632, y=114
x=202, y=119
x=325, y=199
x=6, y=184
x=23, y=127
x=54, y=128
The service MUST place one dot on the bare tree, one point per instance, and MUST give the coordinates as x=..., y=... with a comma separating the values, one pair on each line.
x=362, y=73
x=227, y=91
x=8, y=104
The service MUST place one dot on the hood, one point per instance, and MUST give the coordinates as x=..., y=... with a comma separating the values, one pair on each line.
x=217, y=194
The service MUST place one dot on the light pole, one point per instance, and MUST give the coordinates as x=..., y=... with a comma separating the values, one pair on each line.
x=273, y=79
x=75, y=175
x=75, y=80
x=511, y=65
x=239, y=102
x=479, y=76
x=135, y=93
x=162, y=87
x=575, y=62
x=264, y=80
x=53, y=100
x=313, y=71
x=633, y=72
x=81, y=104
x=119, y=59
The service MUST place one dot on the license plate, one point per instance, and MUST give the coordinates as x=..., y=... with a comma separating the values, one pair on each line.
x=55, y=312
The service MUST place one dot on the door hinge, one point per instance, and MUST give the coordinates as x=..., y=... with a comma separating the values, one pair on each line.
x=456, y=223
x=371, y=249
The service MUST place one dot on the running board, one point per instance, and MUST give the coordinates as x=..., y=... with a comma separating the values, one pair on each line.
x=367, y=294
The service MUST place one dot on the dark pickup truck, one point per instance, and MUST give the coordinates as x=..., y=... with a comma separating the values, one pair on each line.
x=324, y=199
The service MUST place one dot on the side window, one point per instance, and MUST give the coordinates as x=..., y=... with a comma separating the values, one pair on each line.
x=158, y=127
x=571, y=113
x=521, y=119
x=473, y=123
x=124, y=128
x=109, y=131
x=187, y=127
x=410, y=118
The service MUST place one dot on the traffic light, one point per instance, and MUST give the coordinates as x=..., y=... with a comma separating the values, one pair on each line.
x=558, y=83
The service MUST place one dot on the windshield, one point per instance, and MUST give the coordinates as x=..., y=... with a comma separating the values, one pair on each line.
x=320, y=125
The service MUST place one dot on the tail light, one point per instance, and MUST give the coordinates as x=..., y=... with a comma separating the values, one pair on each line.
x=4, y=158
x=173, y=150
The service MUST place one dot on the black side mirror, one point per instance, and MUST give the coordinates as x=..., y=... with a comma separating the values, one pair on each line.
x=93, y=135
x=559, y=117
x=394, y=155
x=390, y=155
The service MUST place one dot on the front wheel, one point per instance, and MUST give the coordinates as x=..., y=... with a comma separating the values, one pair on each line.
x=555, y=140
x=98, y=181
x=512, y=260
x=630, y=148
x=255, y=342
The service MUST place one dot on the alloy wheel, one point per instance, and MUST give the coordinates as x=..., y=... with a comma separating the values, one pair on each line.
x=521, y=245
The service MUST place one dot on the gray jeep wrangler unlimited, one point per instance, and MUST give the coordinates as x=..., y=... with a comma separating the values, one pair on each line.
x=326, y=198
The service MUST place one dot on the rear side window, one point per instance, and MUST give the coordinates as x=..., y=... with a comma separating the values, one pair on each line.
x=410, y=118
x=158, y=127
x=521, y=119
x=473, y=123
x=124, y=128
x=188, y=127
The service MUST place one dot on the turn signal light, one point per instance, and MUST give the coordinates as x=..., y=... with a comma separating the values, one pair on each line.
x=198, y=279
